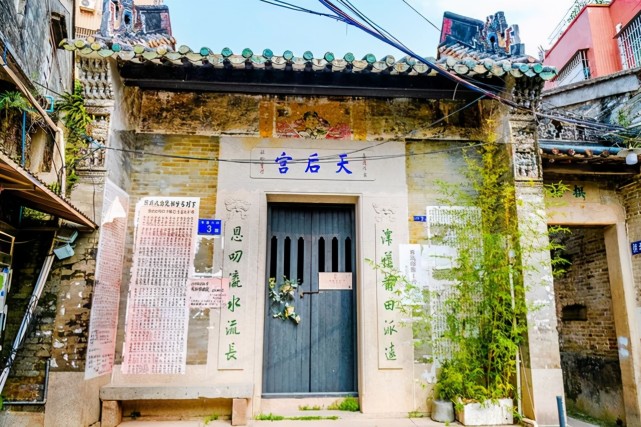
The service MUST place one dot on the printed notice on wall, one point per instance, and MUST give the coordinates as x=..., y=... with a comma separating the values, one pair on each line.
x=106, y=294
x=158, y=305
x=208, y=292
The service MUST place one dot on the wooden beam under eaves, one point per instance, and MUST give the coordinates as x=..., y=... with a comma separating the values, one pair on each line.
x=589, y=169
x=8, y=186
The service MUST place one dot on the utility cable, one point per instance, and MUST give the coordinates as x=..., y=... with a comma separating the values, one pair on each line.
x=379, y=33
x=421, y=15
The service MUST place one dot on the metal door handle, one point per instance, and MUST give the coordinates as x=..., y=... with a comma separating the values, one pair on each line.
x=302, y=294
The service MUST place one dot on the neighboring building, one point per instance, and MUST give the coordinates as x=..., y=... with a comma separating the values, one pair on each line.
x=599, y=60
x=591, y=297
x=602, y=39
x=89, y=13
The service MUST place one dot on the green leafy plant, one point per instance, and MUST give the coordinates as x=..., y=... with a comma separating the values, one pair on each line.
x=282, y=299
x=273, y=417
x=77, y=121
x=309, y=408
x=349, y=404
x=209, y=418
x=578, y=6
x=485, y=310
x=12, y=103
x=269, y=417
x=484, y=305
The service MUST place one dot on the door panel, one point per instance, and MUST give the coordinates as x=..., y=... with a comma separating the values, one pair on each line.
x=317, y=356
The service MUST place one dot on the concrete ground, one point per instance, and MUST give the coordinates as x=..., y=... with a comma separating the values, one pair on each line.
x=348, y=422
x=347, y=419
x=573, y=422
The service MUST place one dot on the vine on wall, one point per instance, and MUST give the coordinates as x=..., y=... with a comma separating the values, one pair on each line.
x=77, y=121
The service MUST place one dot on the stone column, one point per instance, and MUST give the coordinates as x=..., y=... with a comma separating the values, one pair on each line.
x=541, y=375
x=623, y=299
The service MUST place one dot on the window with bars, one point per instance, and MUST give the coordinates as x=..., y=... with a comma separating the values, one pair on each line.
x=576, y=70
x=629, y=41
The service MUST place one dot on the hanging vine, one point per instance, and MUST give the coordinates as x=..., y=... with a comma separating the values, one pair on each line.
x=282, y=299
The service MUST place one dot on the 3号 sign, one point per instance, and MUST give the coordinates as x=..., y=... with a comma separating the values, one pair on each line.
x=209, y=227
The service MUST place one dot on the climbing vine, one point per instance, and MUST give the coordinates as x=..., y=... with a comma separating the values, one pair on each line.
x=77, y=121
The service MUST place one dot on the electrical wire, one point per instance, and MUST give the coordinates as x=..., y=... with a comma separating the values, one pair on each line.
x=421, y=15
x=321, y=159
x=378, y=32
x=296, y=8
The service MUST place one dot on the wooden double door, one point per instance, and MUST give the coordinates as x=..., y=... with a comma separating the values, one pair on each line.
x=317, y=356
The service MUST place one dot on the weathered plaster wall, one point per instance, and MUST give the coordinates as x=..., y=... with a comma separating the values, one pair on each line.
x=151, y=175
x=58, y=333
x=191, y=124
x=28, y=34
x=589, y=352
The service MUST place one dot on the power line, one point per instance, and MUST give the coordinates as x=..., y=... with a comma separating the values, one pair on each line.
x=376, y=31
x=421, y=15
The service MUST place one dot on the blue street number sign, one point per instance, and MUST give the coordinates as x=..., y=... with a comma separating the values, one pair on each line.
x=420, y=218
x=209, y=227
x=636, y=247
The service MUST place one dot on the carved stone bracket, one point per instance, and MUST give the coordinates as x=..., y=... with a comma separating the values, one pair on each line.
x=527, y=164
x=384, y=214
x=527, y=92
x=94, y=74
x=237, y=207
x=555, y=129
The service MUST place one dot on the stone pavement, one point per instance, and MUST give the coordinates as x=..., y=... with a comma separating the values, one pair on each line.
x=347, y=419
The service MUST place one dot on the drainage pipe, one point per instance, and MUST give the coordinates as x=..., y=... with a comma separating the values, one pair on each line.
x=559, y=406
x=28, y=316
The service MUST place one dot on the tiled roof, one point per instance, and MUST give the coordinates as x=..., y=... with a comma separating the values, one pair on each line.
x=455, y=60
x=467, y=61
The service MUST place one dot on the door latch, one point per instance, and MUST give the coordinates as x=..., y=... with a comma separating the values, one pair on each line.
x=302, y=294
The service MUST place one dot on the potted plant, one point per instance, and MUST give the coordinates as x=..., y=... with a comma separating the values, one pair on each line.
x=484, y=305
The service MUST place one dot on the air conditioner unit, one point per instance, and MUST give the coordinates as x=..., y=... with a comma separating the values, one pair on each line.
x=88, y=5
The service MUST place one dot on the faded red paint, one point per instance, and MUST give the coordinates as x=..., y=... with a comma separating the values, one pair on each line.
x=311, y=124
x=447, y=29
x=594, y=29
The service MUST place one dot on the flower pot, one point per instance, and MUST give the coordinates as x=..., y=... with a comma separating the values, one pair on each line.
x=442, y=411
x=487, y=413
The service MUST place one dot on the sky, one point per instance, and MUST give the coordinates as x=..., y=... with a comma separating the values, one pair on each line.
x=240, y=24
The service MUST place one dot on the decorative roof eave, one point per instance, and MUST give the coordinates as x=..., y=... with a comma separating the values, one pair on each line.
x=466, y=61
x=580, y=157
x=469, y=66
x=22, y=184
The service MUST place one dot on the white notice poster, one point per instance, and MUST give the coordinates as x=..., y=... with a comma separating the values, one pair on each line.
x=106, y=294
x=158, y=307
